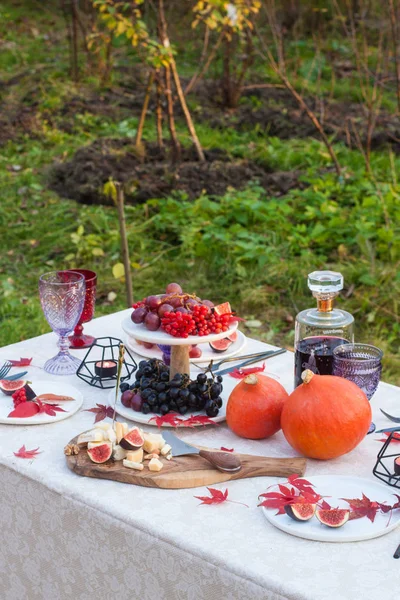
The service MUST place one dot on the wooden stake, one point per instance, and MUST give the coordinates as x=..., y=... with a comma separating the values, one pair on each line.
x=145, y=106
x=124, y=242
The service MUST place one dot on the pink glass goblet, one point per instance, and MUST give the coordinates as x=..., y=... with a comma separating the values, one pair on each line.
x=80, y=339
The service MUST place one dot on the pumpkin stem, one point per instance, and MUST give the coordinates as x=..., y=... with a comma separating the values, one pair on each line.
x=251, y=379
x=307, y=375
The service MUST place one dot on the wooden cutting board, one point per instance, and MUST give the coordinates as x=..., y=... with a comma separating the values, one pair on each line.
x=185, y=471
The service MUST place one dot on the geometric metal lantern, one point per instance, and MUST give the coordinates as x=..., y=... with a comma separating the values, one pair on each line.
x=99, y=367
x=384, y=467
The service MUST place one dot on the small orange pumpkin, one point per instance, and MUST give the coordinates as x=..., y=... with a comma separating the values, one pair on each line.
x=254, y=407
x=326, y=416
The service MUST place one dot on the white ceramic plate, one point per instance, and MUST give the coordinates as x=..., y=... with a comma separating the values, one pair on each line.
x=43, y=387
x=127, y=413
x=139, y=332
x=207, y=356
x=337, y=487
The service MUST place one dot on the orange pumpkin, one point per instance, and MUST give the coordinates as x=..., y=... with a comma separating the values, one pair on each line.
x=254, y=407
x=326, y=416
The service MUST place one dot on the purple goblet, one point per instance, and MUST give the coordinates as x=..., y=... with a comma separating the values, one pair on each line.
x=361, y=364
x=62, y=296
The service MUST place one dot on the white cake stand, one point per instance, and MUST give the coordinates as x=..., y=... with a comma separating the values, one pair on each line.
x=179, y=346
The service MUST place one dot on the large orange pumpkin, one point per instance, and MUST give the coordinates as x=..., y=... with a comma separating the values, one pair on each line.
x=254, y=407
x=326, y=416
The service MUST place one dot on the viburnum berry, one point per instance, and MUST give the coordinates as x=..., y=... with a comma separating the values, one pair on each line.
x=19, y=396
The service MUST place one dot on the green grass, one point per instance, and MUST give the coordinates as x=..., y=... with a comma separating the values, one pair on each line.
x=253, y=249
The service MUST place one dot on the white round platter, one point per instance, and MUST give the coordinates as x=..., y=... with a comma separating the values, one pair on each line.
x=337, y=487
x=207, y=356
x=139, y=332
x=43, y=387
x=127, y=413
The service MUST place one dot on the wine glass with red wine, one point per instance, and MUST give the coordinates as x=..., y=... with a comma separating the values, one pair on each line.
x=79, y=339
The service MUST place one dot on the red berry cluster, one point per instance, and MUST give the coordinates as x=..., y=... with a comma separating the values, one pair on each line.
x=137, y=304
x=200, y=321
x=19, y=396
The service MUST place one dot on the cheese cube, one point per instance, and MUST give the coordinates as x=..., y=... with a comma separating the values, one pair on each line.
x=132, y=465
x=118, y=453
x=153, y=442
x=166, y=449
x=135, y=455
x=155, y=464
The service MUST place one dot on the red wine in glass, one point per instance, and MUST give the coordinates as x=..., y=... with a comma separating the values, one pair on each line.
x=315, y=353
x=80, y=339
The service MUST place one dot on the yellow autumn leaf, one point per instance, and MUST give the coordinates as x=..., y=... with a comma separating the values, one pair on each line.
x=118, y=270
x=98, y=252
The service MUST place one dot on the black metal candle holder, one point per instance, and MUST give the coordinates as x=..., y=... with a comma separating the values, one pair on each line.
x=384, y=467
x=90, y=372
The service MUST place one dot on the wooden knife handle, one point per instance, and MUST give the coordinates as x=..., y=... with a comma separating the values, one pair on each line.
x=223, y=461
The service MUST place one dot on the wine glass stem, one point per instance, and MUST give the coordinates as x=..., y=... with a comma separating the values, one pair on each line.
x=63, y=344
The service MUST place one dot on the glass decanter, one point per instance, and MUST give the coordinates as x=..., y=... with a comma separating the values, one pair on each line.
x=318, y=331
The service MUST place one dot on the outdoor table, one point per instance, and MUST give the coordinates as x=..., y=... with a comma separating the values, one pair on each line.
x=65, y=536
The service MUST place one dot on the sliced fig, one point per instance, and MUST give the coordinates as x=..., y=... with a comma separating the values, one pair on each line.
x=233, y=337
x=222, y=309
x=221, y=345
x=9, y=387
x=334, y=517
x=100, y=454
x=132, y=440
x=300, y=511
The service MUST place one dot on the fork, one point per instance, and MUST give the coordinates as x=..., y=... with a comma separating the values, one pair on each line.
x=4, y=369
x=256, y=355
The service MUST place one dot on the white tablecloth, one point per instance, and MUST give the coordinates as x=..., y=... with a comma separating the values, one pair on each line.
x=65, y=536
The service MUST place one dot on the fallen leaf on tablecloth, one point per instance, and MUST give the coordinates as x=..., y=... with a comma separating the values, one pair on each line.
x=362, y=507
x=25, y=410
x=22, y=362
x=198, y=420
x=241, y=373
x=49, y=409
x=217, y=497
x=395, y=438
x=227, y=449
x=102, y=411
x=171, y=419
x=24, y=453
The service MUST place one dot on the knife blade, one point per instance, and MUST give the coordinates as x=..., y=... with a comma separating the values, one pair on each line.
x=250, y=362
x=223, y=461
x=15, y=377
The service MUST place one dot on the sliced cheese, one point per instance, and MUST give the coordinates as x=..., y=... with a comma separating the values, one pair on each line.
x=94, y=444
x=169, y=456
x=155, y=464
x=111, y=435
x=104, y=426
x=166, y=449
x=94, y=435
x=119, y=431
x=132, y=465
x=118, y=453
x=135, y=455
x=150, y=456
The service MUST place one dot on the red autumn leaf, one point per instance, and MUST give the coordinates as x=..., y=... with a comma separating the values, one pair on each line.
x=24, y=453
x=241, y=373
x=102, y=411
x=227, y=449
x=395, y=438
x=25, y=410
x=217, y=497
x=171, y=419
x=198, y=420
x=362, y=507
x=49, y=409
x=22, y=362
x=302, y=492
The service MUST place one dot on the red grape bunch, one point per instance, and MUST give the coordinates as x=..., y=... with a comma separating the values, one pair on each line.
x=181, y=314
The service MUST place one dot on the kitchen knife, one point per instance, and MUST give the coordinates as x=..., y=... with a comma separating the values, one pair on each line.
x=223, y=461
x=15, y=377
